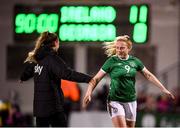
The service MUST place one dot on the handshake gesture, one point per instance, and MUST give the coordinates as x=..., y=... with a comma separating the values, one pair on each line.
x=86, y=100
x=87, y=97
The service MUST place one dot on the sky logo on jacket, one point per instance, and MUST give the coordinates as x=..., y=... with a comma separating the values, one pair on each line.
x=38, y=69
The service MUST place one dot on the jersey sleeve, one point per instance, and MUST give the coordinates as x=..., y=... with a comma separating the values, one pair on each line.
x=140, y=65
x=107, y=65
x=62, y=71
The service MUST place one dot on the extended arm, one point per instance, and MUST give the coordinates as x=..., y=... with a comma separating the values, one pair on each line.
x=92, y=84
x=61, y=70
x=28, y=71
x=149, y=76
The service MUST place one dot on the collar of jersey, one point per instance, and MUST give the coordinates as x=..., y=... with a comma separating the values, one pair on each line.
x=122, y=58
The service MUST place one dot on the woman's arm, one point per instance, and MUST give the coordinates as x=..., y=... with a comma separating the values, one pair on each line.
x=92, y=84
x=149, y=76
x=28, y=72
x=62, y=71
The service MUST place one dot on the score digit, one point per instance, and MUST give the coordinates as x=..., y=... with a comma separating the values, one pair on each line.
x=29, y=23
x=19, y=23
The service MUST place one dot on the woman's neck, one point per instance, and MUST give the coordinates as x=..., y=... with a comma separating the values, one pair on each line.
x=123, y=57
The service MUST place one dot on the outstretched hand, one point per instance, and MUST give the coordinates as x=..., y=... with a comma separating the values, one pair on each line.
x=86, y=101
x=169, y=94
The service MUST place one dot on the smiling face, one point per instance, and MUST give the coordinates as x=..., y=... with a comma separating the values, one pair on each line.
x=122, y=49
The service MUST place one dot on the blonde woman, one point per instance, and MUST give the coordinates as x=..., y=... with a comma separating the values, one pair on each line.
x=122, y=69
x=48, y=69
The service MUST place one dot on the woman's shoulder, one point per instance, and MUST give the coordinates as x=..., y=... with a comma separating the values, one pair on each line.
x=30, y=63
x=113, y=57
x=133, y=57
x=55, y=58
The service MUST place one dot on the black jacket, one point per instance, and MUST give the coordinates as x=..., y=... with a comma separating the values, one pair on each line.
x=48, y=72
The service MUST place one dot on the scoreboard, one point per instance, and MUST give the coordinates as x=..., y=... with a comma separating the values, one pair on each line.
x=82, y=23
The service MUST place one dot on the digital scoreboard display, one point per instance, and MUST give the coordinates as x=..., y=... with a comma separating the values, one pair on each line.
x=82, y=23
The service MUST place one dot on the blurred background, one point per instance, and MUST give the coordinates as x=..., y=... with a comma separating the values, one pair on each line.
x=82, y=26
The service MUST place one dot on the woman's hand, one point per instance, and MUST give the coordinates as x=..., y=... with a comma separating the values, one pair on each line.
x=169, y=94
x=92, y=84
x=86, y=100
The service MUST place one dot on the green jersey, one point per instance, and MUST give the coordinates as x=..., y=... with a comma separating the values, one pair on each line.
x=122, y=74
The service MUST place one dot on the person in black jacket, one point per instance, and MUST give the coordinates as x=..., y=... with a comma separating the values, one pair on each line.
x=48, y=69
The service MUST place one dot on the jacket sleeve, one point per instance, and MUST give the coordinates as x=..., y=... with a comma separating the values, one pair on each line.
x=62, y=71
x=28, y=71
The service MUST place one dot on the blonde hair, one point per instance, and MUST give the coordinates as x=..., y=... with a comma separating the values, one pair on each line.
x=45, y=38
x=110, y=47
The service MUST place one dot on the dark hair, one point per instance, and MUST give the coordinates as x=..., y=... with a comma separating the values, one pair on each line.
x=48, y=39
x=45, y=39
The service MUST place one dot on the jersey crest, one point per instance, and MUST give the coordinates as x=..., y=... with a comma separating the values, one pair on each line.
x=132, y=64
